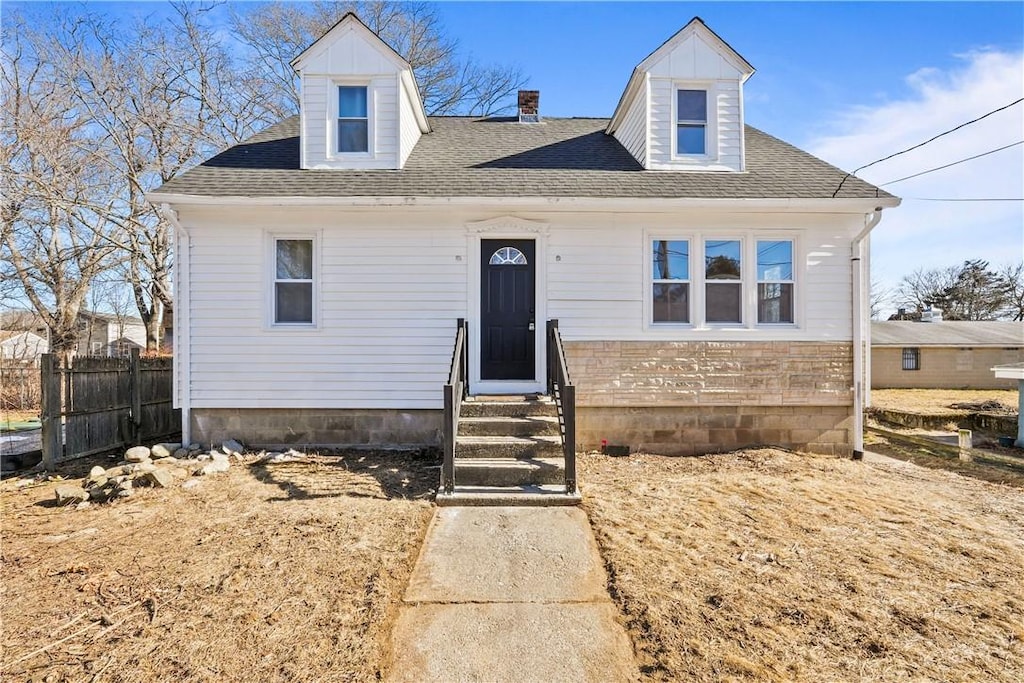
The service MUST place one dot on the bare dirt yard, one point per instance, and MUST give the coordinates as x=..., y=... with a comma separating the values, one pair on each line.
x=773, y=566
x=938, y=401
x=270, y=572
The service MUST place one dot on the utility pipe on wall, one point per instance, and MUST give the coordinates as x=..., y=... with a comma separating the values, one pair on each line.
x=861, y=332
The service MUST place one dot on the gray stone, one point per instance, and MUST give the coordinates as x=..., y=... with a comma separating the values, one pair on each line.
x=169, y=460
x=232, y=447
x=68, y=494
x=118, y=471
x=137, y=454
x=142, y=468
x=181, y=453
x=125, y=485
x=194, y=447
x=179, y=472
x=124, y=493
x=98, y=482
x=191, y=484
x=99, y=494
x=162, y=450
x=96, y=472
x=216, y=466
x=159, y=478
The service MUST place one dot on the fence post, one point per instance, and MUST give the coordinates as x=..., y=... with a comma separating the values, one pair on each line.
x=52, y=429
x=135, y=393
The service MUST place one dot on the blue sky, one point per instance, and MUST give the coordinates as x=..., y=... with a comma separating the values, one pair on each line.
x=850, y=82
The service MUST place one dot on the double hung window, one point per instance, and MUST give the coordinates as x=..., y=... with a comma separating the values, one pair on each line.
x=293, y=281
x=691, y=122
x=774, y=281
x=723, y=281
x=671, y=281
x=353, y=120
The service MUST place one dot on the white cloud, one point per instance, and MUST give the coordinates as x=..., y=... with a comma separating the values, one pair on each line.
x=936, y=234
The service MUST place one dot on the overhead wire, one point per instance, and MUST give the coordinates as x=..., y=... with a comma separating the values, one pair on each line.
x=922, y=144
x=954, y=163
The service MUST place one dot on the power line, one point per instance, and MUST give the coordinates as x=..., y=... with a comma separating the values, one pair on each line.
x=922, y=144
x=939, y=168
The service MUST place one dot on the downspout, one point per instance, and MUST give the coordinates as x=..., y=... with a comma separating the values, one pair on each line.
x=182, y=384
x=861, y=332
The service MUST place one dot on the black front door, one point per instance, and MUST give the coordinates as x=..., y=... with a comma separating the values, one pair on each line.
x=507, y=327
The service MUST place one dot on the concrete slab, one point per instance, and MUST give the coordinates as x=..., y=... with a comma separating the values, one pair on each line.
x=509, y=594
x=513, y=643
x=508, y=554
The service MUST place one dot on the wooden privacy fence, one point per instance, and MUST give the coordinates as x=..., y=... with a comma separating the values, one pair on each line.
x=100, y=403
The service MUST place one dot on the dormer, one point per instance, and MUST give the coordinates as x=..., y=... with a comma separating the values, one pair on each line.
x=360, y=107
x=682, y=109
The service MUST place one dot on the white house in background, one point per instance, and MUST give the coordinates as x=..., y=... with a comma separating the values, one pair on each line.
x=22, y=347
x=106, y=334
x=708, y=279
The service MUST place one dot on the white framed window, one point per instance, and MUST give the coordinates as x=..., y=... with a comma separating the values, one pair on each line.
x=723, y=281
x=293, y=280
x=670, y=281
x=775, y=283
x=353, y=130
x=691, y=122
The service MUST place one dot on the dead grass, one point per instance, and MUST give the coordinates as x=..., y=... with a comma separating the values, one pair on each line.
x=937, y=401
x=279, y=572
x=769, y=566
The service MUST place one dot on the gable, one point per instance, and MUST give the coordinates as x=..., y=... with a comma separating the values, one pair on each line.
x=696, y=52
x=349, y=47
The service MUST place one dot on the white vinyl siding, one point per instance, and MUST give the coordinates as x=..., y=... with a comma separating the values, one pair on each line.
x=633, y=131
x=392, y=285
x=724, y=127
x=409, y=129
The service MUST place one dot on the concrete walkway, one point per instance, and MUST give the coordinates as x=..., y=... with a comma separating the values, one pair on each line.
x=509, y=594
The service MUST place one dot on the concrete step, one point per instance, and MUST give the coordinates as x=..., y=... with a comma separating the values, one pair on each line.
x=508, y=406
x=509, y=472
x=540, y=496
x=472, y=447
x=538, y=425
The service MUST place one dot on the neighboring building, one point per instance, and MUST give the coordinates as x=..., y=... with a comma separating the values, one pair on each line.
x=708, y=278
x=22, y=347
x=943, y=354
x=106, y=334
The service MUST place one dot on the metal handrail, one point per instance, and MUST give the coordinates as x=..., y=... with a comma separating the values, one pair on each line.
x=454, y=391
x=563, y=391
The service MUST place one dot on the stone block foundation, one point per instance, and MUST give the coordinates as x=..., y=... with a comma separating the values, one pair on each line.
x=313, y=428
x=696, y=431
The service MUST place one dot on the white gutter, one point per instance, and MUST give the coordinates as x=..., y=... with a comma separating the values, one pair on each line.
x=182, y=385
x=861, y=331
x=626, y=204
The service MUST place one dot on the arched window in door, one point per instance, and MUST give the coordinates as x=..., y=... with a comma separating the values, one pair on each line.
x=507, y=256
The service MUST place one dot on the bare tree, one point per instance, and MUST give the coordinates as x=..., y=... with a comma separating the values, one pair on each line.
x=1013, y=276
x=53, y=227
x=158, y=97
x=880, y=297
x=921, y=288
x=277, y=32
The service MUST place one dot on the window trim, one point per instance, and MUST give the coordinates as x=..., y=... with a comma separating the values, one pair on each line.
x=335, y=116
x=748, y=239
x=792, y=281
x=651, y=281
x=270, y=303
x=710, y=123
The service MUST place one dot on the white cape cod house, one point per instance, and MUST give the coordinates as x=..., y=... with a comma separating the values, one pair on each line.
x=708, y=279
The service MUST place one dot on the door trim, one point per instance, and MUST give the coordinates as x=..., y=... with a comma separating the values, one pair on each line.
x=507, y=227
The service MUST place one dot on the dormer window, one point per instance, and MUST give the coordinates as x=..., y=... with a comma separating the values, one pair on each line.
x=691, y=122
x=353, y=120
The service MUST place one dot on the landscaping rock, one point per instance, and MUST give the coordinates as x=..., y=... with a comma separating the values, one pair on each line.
x=232, y=447
x=191, y=484
x=98, y=482
x=181, y=453
x=97, y=473
x=159, y=478
x=217, y=465
x=194, y=447
x=179, y=473
x=163, y=450
x=169, y=460
x=119, y=471
x=99, y=495
x=137, y=454
x=69, y=494
x=142, y=468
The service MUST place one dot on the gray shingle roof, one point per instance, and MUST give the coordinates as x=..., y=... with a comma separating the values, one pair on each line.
x=499, y=157
x=947, y=333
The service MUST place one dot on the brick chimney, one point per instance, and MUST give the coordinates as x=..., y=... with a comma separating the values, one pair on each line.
x=529, y=106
